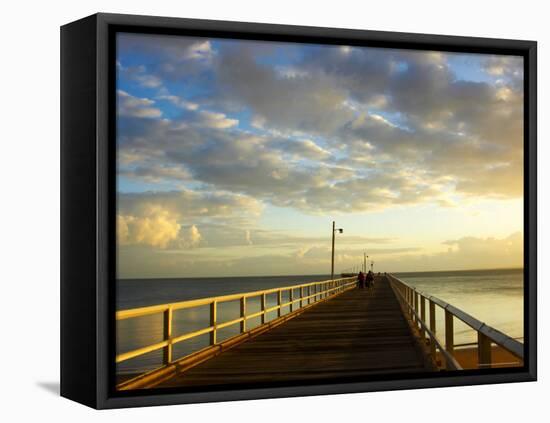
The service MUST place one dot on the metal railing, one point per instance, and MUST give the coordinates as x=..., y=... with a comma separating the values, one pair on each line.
x=299, y=296
x=414, y=303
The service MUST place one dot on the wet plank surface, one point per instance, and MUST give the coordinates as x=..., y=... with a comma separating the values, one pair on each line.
x=360, y=332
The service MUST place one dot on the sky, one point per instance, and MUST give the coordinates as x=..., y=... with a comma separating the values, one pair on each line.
x=234, y=157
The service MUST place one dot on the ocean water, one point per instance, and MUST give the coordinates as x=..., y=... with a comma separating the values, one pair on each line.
x=492, y=296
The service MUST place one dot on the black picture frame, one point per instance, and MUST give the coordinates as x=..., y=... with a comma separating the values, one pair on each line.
x=88, y=199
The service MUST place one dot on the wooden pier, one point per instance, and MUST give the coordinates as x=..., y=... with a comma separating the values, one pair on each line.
x=331, y=329
x=358, y=333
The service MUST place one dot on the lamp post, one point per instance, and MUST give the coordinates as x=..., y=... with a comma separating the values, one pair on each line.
x=365, y=258
x=340, y=230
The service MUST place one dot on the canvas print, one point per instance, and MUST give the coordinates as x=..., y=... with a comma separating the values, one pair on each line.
x=294, y=213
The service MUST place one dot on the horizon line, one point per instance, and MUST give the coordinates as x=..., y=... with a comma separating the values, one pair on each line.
x=319, y=274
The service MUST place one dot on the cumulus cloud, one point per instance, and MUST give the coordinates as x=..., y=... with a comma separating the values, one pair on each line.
x=194, y=236
x=156, y=228
x=156, y=219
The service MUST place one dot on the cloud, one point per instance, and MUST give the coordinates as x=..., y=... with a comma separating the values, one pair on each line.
x=178, y=101
x=201, y=50
x=504, y=66
x=463, y=253
x=169, y=57
x=309, y=103
x=349, y=256
x=140, y=75
x=190, y=203
x=301, y=148
x=216, y=120
x=373, y=109
x=156, y=219
x=268, y=168
x=472, y=246
x=156, y=229
x=194, y=235
x=128, y=105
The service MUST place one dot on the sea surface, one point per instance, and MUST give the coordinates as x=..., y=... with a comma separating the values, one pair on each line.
x=492, y=296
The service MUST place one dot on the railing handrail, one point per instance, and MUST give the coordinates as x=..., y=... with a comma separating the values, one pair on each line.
x=494, y=335
x=450, y=361
x=158, y=308
x=331, y=287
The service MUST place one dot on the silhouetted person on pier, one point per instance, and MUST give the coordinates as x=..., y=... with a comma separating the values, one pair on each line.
x=370, y=279
x=361, y=280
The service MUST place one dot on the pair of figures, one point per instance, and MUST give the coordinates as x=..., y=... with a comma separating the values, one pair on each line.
x=365, y=281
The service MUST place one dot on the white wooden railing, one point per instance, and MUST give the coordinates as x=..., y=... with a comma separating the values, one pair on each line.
x=299, y=296
x=414, y=302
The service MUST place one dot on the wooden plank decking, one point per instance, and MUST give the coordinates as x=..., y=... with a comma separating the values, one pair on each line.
x=357, y=333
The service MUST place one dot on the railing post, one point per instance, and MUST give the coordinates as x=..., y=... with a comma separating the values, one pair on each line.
x=416, y=306
x=243, y=314
x=432, y=327
x=409, y=301
x=263, y=305
x=422, y=316
x=213, y=319
x=291, y=299
x=279, y=302
x=449, y=332
x=301, y=296
x=483, y=351
x=167, y=329
x=309, y=294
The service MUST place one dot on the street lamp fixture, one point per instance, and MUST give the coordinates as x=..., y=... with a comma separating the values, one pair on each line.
x=334, y=230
